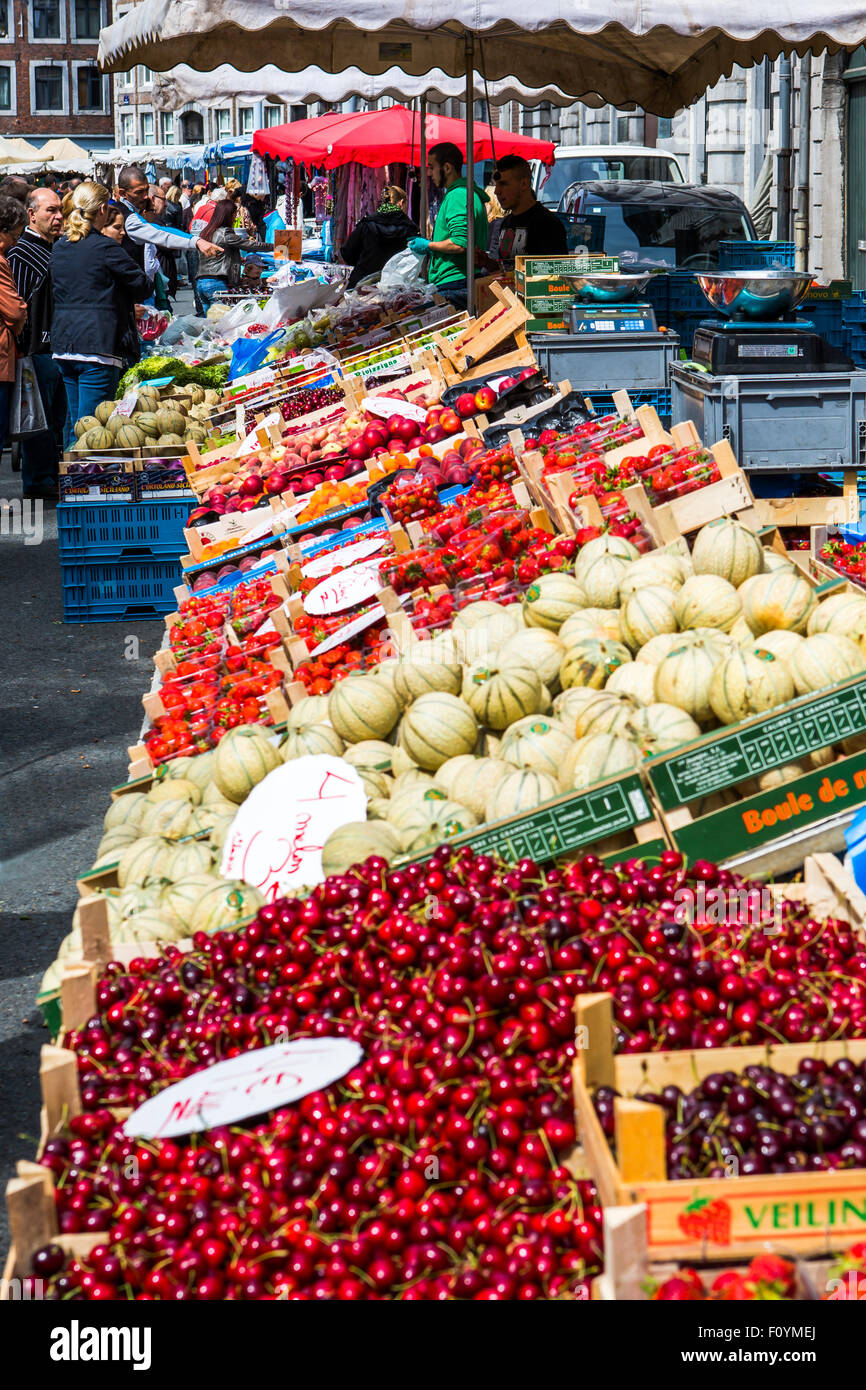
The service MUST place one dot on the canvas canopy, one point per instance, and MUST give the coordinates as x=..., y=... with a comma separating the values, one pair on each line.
x=661, y=54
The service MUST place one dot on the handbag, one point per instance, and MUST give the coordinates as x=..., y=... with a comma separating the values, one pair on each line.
x=27, y=415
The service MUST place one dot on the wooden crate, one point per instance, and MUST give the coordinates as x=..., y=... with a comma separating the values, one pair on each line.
x=820, y=570
x=800, y=1213
x=813, y=511
x=628, y=1268
x=505, y=320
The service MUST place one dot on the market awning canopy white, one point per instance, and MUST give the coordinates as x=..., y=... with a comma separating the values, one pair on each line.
x=65, y=154
x=183, y=84
x=659, y=53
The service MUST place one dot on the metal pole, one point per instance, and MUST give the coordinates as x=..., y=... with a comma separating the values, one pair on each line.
x=470, y=174
x=801, y=220
x=422, y=212
x=783, y=183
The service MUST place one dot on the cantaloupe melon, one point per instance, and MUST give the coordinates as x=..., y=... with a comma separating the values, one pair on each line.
x=569, y=703
x=604, y=623
x=469, y=781
x=845, y=613
x=127, y=435
x=167, y=818
x=597, y=757
x=499, y=697
x=98, y=438
x=551, y=599
x=147, y=423
x=179, y=899
x=429, y=822
x=749, y=682
x=726, y=548
x=536, y=743
x=774, y=561
x=601, y=579
x=127, y=809
x=637, y=680
x=658, y=727
x=519, y=792
x=606, y=713
x=145, y=861
x=170, y=441
x=170, y=422
x=417, y=674
x=115, y=841
x=683, y=678
x=310, y=709
x=780, y=643
x=658, y=567
x=356, y=842
x=657, y=648
x=362, y=707
x=705, y=600
x=824, y=659
x=174, y=789
x=537, y=647
x=590, y=662
x=104, y=411
x=371, y=753
x=647, y=613
x=225, y=906
x=600, y=546
x=780, y=599
x=316, y=738
x=87, y=422
x=244, y=758
x=437, y=727
x=190, y=857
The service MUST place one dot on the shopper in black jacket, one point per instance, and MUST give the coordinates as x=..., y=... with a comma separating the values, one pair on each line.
x=96, y=285
x=380, y=236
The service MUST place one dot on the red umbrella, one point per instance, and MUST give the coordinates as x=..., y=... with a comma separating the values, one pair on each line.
x=393, y=136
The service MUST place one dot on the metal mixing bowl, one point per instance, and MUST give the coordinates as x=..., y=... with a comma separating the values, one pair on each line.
x=607, y=289
x=755, y=294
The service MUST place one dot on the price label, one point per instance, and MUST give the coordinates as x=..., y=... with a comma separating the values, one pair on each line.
x=358, y=550
x=373, y=615
x=256, y=1081
x=386, y=406
x=344, y=590
x=127, y=405
x=275, y=840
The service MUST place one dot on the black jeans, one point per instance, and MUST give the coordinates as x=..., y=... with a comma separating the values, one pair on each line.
x=41, y=453
x=454, y=292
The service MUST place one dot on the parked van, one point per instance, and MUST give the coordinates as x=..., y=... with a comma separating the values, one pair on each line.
x=598, y=163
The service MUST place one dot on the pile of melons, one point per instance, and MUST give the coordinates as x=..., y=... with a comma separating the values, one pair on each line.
x=169, y=418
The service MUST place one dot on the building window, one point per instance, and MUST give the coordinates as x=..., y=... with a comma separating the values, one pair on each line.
x=273, y=115
x=145, y=77
x=48, y=87
x=246, y=115
x=127, y=129
x=223, y=124
x=88, y=19
x=6, y=21
x=7, y=90
x=89, y=89
x=147, y=128
x=167, y=128
x=298, y=113
x=622, y=129
x=665, y=130
x=46, y=20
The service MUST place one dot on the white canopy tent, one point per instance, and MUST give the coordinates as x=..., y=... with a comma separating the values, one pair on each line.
x=183, y=84
x=661, y=54
x=66, y=155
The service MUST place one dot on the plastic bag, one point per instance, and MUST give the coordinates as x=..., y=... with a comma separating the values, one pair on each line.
x=28, y=413
x=248, y=354
x=186, y=324
x=239, y=317
x=402, y=269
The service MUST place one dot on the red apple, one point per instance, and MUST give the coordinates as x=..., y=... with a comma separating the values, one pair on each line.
x=485, y=399
x=449, y=421
x=465, y=405
x=335, y=474
x=506, y=384
x=359, y=449
x=527, y=373
x=354, y=466
x=276, y=482
x=433, y=414
x=310, y=482
x=373, y=435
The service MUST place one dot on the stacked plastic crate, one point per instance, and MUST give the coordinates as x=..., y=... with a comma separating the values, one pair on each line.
x=119, y=560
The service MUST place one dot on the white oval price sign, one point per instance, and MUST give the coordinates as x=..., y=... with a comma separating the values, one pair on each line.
x=247, y=1085
x=275, y=841
x=358, y=550
x=344, y=590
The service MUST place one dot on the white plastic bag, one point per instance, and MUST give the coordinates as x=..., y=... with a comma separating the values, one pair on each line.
x=234, y=324
x=27, y=415
x=402, y=269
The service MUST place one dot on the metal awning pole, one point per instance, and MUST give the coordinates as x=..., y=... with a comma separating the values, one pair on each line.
x=470, y=174
x=422, y=211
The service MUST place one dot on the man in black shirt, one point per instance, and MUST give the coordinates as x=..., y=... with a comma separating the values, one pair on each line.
x=528, y=228
x=29, y=260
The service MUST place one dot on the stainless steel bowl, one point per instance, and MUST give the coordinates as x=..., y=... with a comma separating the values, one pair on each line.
x=755, y=294
x=607, y=289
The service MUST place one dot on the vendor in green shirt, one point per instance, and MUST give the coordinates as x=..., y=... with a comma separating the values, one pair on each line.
x=447, y=248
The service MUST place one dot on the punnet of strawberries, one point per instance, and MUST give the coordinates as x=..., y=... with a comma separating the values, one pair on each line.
x=767, y=1277
x=436, y=1169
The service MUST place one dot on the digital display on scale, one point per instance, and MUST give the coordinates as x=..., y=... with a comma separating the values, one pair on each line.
x=769, y=350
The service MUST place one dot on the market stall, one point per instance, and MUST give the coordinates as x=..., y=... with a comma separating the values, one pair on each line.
x=472, y=923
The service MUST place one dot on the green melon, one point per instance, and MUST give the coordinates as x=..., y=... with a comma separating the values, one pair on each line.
x=179, y=900
x=244, y=758
x=357, y=841
x=170, y=441
x=98, y=438
x=498, y=695
x=147, y=423
x=437, y=727
x=225, y=906
x=170, y=422
x=129, y=436
x=316, y=738
x=126, y=810
x=87, y=422
x=104, y=411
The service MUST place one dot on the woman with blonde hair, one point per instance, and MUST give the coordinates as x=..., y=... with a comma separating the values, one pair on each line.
x=96, y=284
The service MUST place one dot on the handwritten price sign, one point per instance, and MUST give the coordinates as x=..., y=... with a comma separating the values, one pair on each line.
x=247, y=1085
x=358, y=550
x=276, y=838
x=344, y=590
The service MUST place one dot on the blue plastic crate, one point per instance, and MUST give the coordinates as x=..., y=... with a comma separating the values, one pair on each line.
x=130, y=590
x=121, y=530
x=602, y=401
x=746, y=255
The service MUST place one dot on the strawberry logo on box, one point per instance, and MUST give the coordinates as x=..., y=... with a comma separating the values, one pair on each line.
x=707, y=1220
